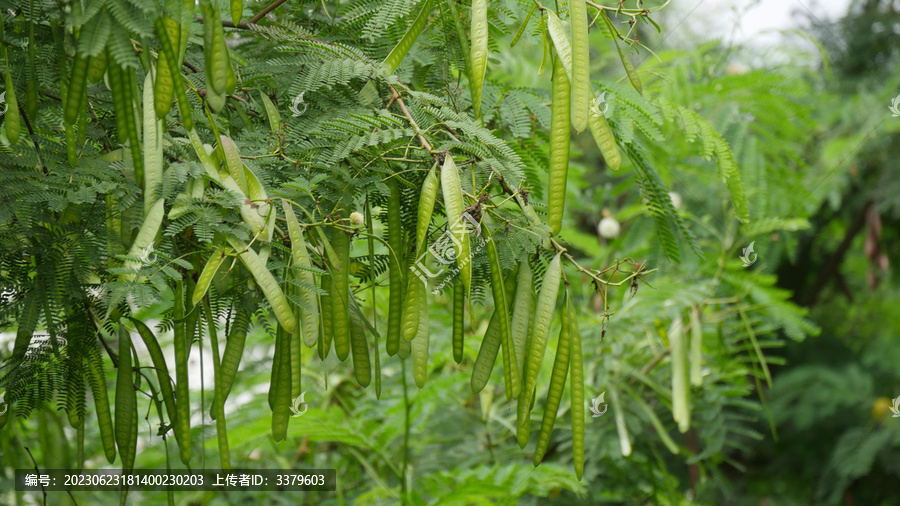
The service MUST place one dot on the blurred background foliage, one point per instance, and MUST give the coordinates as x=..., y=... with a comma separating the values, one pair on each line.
x=800, y=352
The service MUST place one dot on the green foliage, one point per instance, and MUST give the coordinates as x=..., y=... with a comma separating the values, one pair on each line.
x=317, y=122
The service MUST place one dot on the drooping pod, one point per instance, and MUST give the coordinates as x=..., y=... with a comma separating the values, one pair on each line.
x=308, y=315
x=576, y=391
x=182, y=421
x=559, y=147
x=557, y=384
x=581, y=64
x=266, y=282
x=396, y=267
x=126, y=404
x=97, y=380
x=281, y=400
x=604, y=138
x=523, y=307
x=456, y=222
x=478, y=53
x=543, y=315
x=340, y=278
x=501, y=301
x=415, y=289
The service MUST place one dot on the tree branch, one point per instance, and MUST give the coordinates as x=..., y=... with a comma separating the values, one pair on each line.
x=395, y=96
x=830, y=268
x=245, y=25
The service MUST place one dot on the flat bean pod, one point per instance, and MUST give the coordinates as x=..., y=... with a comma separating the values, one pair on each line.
x=576, y=391
x=415, y=286
x=281, y=409
x=560, y=42
x=159, y=364
x=217, y=412
x=267, y=284
x=153, y=150
x=231, y=359
x=232, y=158
x=362, y=367
x=237, y=9
x=97, y=67
x=478, y=53
x=523, y=307
x=543, y=315
x=459, y=302
x=559, y=147
x=487, y=354
x=168, y=51
x=165, y=75
x=308, y=315
x=77, y=83
x=581, y=64
x=604, y=138
x=206, y=276
x=214, y=48
x=126, y=402
x=557, y=385
x=419, y=345
x=680, y=406
x=182, y=421
x=101, y=401
x=403, y=46
x=325, y=305
x=340, y=278
x=415, y=294
x=11, y=120
x=456, y=223
x=510, y=368
x=696, y=348
x=621, y=426
x=145, y=237
x=397, y=264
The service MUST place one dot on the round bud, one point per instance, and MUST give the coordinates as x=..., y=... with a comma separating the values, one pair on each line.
x=609, y=228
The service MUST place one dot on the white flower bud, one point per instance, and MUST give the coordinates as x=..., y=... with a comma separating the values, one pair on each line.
x=356, y=218
x=608, y=228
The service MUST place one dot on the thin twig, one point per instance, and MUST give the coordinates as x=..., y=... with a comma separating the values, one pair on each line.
x=561, y=249
x=38, y=471
x=395, y=95
x=37, y=148
x=245, y=25
x=188, y=65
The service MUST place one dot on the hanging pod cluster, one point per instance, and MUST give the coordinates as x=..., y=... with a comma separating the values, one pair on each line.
x=311, y=299
x=524, y=341
x=572, y=98
x=220, y=78
x=519, y=325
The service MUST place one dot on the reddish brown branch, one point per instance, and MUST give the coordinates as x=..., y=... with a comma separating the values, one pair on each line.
x=245, y=25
